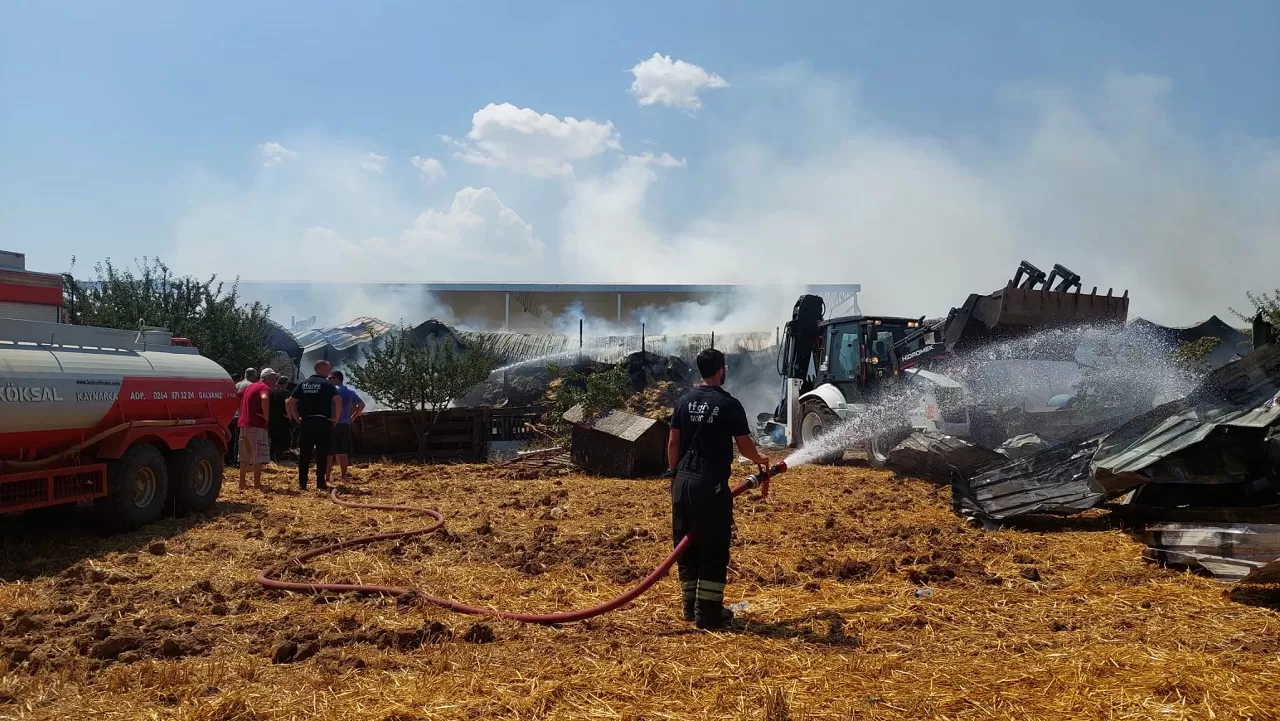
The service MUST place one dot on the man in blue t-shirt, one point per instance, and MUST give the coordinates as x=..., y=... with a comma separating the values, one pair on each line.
x=352, y=407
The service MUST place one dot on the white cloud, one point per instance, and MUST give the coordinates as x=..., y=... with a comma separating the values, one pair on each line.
x=664, y=161
x=541, y=145
x=374, y=163
x=324, y=217
x=477, y=226
x=431, y=169
x=274, y=153
x=660, y=80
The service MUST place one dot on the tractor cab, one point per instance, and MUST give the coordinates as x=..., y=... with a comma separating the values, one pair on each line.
x=857, y=354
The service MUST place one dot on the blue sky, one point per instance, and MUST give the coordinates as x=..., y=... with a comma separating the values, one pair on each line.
x=139, y=129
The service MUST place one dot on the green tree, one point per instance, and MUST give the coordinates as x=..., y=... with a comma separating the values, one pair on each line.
x=597, y=392
x=231, y=333
x=1194, y=356
x=422, y=377
x=1268, y=304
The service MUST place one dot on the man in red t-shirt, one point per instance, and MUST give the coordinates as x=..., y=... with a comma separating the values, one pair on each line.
x=255, y=444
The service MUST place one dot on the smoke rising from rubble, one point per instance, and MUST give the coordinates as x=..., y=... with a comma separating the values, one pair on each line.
x=1120, y=375
x=1105, y=183
x=800, y=183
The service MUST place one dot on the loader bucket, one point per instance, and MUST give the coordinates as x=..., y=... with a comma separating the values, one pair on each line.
x=1032, y=304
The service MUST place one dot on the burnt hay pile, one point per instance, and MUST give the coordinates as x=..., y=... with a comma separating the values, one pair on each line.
x=1049, y=619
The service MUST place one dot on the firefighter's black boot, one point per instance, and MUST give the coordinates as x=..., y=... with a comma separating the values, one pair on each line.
x=689, y=593
x=711, y=615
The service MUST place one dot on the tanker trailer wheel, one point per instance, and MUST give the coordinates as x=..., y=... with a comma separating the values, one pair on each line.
x=195, y=476
x=816, y=420
x=137, y=485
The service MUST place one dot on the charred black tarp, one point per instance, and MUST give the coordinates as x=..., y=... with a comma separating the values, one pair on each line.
x=1054, y=481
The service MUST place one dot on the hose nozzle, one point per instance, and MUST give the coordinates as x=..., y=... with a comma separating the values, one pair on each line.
x=761, y=480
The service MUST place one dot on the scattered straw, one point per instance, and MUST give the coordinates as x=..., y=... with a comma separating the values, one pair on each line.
x=1055, y=619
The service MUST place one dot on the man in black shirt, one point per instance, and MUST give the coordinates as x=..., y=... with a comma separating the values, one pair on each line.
x=315, y=405
x=705, y=426
x=279, y=427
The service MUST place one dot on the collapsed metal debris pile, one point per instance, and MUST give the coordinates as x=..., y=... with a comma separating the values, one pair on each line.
x=1198, y=478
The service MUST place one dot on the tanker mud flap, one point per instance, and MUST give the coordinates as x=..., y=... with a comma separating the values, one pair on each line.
x=137, y=488
x=195, y=476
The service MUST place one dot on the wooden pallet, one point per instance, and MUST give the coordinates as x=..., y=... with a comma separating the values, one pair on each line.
x=537, y=464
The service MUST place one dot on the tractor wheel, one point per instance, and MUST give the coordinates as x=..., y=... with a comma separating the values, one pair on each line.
x=816, y=420
x=195, y=476
x=137, y=485
x=879, y=446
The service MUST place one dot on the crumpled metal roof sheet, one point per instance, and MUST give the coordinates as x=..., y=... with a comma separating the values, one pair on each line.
x=517, y=348
x=348, y=335
x=1057, y=480
x=1243, y=394
x=1230, y=551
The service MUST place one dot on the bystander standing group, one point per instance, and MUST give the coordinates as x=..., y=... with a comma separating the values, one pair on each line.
x=272, y=415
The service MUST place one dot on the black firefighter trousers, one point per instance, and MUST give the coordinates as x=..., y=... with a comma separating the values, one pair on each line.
x=316, y=437
x=702, y=505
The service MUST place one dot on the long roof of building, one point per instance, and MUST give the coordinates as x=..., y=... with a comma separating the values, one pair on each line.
x=526, y=287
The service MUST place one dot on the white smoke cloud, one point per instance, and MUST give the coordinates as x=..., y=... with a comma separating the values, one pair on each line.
x=659, y=80
x=807, y=186
x=537, y=144
x=1105, y=183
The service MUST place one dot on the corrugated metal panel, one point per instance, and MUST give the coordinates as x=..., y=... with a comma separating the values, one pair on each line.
x=520, y=348
x=1230, y=551
x=29, y=311
x=1243, y=394
x=345, y=336
x=1054, y=481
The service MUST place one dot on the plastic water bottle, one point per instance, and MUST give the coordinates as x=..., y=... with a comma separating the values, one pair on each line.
x=924, y=593
x=740, y=606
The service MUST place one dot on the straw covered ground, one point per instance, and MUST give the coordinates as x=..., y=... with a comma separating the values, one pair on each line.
x=1056, y=619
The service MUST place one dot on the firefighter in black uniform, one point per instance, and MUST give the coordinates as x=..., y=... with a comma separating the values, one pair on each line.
x=316, y=406
x=705, y=425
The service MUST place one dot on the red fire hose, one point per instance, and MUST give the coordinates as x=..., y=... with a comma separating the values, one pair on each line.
x=269, y=578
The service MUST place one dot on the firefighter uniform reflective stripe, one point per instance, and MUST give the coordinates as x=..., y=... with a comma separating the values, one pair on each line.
x=710, y=591
x=702, y=506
